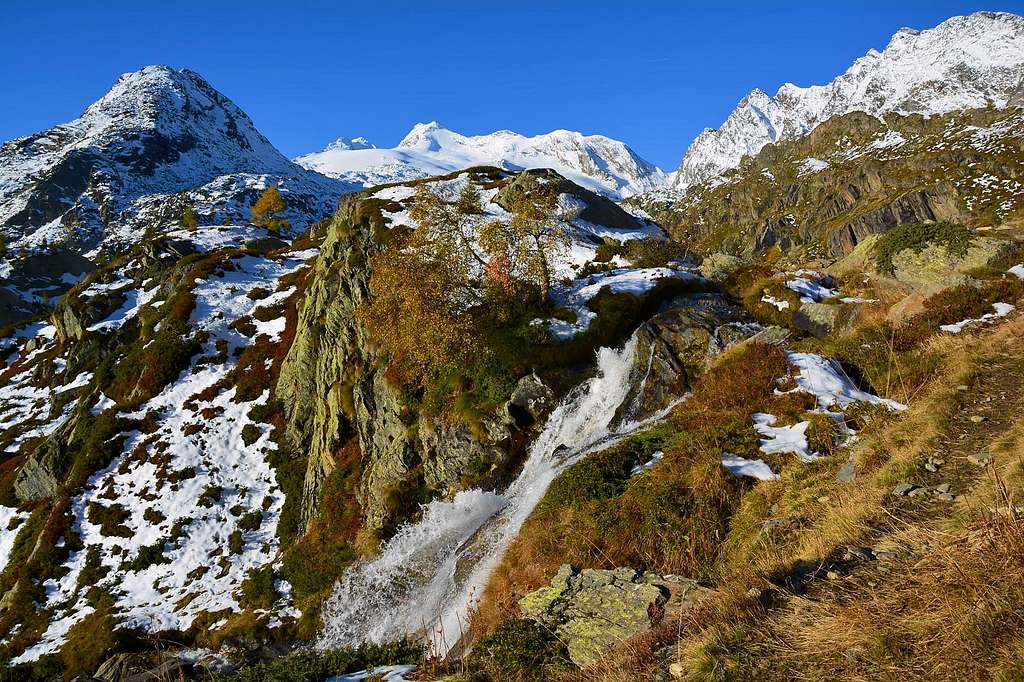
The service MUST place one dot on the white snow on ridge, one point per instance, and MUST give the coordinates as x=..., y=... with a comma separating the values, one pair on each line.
x=159, y=132
x=596, y=162
x=963, y=63
x=193, y=476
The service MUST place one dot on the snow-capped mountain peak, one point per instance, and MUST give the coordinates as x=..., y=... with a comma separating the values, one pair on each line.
x=157, y=131
x=350, y=143
x=964, y=62
x=423, y=137
x=599, y=163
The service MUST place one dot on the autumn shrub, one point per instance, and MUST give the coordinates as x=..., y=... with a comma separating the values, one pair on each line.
x=953, y=305
x=652, y=253
x=91, y=640
x=315, y=561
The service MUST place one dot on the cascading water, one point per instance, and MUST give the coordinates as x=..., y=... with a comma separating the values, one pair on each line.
x=429, y=574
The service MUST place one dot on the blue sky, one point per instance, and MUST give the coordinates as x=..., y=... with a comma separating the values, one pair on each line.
x=652, y=74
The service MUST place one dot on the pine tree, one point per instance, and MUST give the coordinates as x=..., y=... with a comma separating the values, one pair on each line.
x=3, y=246
x=190, y=219
x=265, y=211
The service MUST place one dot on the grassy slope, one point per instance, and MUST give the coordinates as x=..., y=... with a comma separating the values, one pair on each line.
x=770, y=547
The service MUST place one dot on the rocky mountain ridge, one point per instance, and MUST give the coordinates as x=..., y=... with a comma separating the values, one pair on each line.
x=963, y=63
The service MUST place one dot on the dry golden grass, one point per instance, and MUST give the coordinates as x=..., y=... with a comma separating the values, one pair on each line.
x=952, y=609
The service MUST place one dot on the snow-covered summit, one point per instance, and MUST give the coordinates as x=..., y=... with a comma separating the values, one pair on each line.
x=599, y=163
x=964, y=62
x=158, y=131
x=350, y=143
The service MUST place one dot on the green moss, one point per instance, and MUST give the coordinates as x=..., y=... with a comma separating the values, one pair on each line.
x=250, y=434
x=258, y=590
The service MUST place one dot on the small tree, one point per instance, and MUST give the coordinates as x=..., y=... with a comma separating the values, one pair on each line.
x=3, y=246
x=525, y=247
x=448, y=230
x=190, y=219
x=266, y=209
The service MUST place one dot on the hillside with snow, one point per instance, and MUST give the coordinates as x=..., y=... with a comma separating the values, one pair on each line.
x=596, y=162
x=963, y=63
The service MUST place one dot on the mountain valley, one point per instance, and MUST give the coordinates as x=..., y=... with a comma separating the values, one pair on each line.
x=509, y=408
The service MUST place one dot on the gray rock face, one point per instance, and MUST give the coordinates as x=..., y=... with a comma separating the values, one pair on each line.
x=593, y=611
x=41, y=474
x=935, y=204
x=676, y=346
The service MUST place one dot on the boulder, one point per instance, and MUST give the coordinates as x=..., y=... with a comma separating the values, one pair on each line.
x=41, y=475
x=531, y=400
x=594, y=610
x=935, y=268
x=825, y=319
x=718, y=266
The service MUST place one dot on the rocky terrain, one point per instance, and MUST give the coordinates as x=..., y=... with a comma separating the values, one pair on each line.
x=853, y=177
x=492, y=421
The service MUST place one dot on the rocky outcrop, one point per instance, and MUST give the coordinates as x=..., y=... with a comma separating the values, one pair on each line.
x=593, y=611
x=676, y=346
x=333, y=387
x=330, y=352
x=854, y=176
x=935, y=267
x=934, y=204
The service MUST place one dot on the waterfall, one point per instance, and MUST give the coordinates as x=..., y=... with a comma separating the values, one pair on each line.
x=429, y=575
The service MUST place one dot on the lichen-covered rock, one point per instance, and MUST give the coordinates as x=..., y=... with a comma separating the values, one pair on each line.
x=594, y=610
x=825, y=319
x=935, y=267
